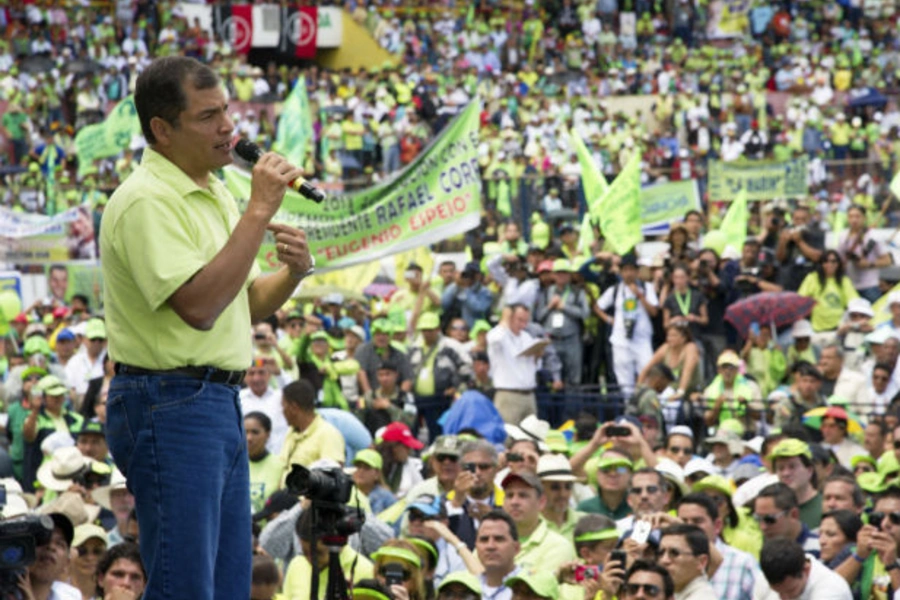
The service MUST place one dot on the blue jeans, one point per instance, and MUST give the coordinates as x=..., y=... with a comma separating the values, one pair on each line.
x=180, y=442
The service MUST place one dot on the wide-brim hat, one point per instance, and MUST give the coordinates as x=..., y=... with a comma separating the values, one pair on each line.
x=64, y=466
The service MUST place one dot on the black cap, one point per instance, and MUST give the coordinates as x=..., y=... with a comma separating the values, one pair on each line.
x=629, y=260
x=472, y=268
x=280, y=501
x=65, y=524
x=480, y=355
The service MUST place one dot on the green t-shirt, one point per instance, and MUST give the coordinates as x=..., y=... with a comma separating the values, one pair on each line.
x=15, y=124
x=811, y=511
x=265, y=479
x=159, y=230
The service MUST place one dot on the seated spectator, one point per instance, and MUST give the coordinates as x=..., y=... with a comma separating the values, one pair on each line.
x=792, y=573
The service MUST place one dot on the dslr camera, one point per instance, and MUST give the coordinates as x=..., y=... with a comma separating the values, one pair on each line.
x=329, y=491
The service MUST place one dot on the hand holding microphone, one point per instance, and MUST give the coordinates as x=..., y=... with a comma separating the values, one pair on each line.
x=253, y=153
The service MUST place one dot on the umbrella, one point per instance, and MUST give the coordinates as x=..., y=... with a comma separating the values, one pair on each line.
x=36, y=64
x=865, y=97
x=379, y=289
x=81, y=66
x=780, y=308
x=813, y=418
x=318, y=291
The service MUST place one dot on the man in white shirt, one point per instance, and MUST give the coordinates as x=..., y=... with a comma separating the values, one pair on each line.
x=794, y=575
x=260, y=396
x=634, y=304
x=87, y=363
x=514, y=361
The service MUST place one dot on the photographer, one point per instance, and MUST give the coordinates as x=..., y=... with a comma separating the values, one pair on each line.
x=862, y=254
x=798, y=249
x=42, y=581
x=398, y=566
x=753, y=276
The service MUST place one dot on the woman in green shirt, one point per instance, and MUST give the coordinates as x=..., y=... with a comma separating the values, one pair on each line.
x=831, y=289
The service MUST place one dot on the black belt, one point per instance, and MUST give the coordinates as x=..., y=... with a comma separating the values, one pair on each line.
x=512, y=391
x=211, y=374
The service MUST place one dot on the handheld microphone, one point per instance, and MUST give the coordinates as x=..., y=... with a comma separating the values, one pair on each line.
x=251, y=153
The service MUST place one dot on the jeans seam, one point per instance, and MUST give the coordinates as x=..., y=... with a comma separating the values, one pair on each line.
x=162, y=553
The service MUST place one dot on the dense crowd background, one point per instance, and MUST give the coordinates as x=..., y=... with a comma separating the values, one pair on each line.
x=473, y=405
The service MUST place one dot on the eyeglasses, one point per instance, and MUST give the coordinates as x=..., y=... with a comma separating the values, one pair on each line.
x=686, y=450
x=480, y=466
x=97, y=339
x=673, y=552
x=392, y=571
x=557, y=486
x=445, y=457
x=876, y=518
x=769, y=519
x=514, y=457
x=637, y=491
x=650, y=590
x=84, y=551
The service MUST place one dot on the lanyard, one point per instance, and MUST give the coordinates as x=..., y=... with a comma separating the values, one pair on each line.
x=684, y=302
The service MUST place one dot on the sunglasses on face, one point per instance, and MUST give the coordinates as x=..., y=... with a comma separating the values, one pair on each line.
x=877, y=518
x=637, y=491
x=681, y=450
x=445, y=457
x=673, y=552
x=769, y=519
x=480, y=466
x=614, y=470
x=650, y=590
x=557, y=486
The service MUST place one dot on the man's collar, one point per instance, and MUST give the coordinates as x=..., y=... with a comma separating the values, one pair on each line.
x=165, y=169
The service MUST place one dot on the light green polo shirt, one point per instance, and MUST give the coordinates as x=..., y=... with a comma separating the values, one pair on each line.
x=545, y=549
x=567, y=530
x=158, y=230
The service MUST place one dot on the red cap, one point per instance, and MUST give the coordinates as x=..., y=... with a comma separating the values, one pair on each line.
x=60, y=312
x=836, y=412
x=399, y=432
x=545, y=265
x=21, y=318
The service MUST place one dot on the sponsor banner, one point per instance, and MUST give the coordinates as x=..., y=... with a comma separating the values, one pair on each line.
x=29, y=238
x=667, y=203
x=763, y=179
x=436, y=197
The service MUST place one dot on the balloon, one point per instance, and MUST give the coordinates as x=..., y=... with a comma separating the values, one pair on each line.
x=715, y=240
x=10, y=306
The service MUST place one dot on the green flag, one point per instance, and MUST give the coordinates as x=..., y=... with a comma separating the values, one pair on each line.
x=108, y=137
x=734, y=225
x=594, y=184
x=294, y=125
x=619, y=210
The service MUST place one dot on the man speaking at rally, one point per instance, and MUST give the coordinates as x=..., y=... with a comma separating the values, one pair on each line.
x=182, y=289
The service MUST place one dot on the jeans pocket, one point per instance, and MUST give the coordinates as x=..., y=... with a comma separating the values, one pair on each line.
x=119, y=432
x=177, y=393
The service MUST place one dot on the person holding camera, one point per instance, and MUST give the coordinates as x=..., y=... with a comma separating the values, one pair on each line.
x=752, y=275
x=797, y=248
x=398, y=566
x=644, y=580
x=863, y=254
x=43, y=578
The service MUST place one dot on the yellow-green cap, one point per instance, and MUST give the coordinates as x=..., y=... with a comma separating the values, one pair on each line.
x=887, y=463
x=562, y=265
x=599, y=536
x=716, y=483
x=319, y=335
x=382, y=326
x=614, y=460
x=398, y=553
x=463, y=578
x=428, y=320
x=790, y=447
x=871, y=483
x=479, y=326
x=862, y=458
x=542, y=583
x=95, y=328
x=369, y=457
x=556, y=441
x=52, y=386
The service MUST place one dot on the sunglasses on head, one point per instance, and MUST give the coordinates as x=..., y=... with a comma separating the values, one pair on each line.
x=650, y=590
x=769, y=519
x=637, y=491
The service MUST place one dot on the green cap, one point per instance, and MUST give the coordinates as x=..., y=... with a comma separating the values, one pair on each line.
x=479, y=326
x=382, y=326
x=561, y=265
x=95, y=328
x=369, y=457
x=319, y=335
x=52, y=386
x=463, y=578
x=871, y=482
x=862, y=458
x=30, y=371
x=716, y=483
x=542, y=583
x=428, y=320
x=614, y=461
x=36, y=345
x=789, y=448
x=599, y=536
x=398, y=553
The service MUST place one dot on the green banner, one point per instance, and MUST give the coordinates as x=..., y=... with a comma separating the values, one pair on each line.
x=109, y=137
x=666, y=203
x=436, y=196
x=619, y=212
x=763, y=179
x=294, y=125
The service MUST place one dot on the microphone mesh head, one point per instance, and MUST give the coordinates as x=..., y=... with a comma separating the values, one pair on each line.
x=247, y=150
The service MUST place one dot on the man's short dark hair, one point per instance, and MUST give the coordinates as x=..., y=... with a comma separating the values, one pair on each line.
x=781, y=558
x=82, y=298
x=783, y=496
x=501, y=515
x=692, y=534
x=642, y=565
x=663, y=482
x=159, y=91
x=702, y=500
x=126, y=550
x=58, y=267
x=265, y=571
x=301, y=394
x=806, y=369
x=262, y=418
x=514, y=307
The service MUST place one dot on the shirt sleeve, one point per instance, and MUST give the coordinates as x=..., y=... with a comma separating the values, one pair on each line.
x=606, y=300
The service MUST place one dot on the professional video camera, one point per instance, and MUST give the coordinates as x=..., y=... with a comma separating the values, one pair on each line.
x=333, y=521
x=19, y=538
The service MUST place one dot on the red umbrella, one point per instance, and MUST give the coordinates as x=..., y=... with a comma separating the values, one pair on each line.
x=779, y=308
